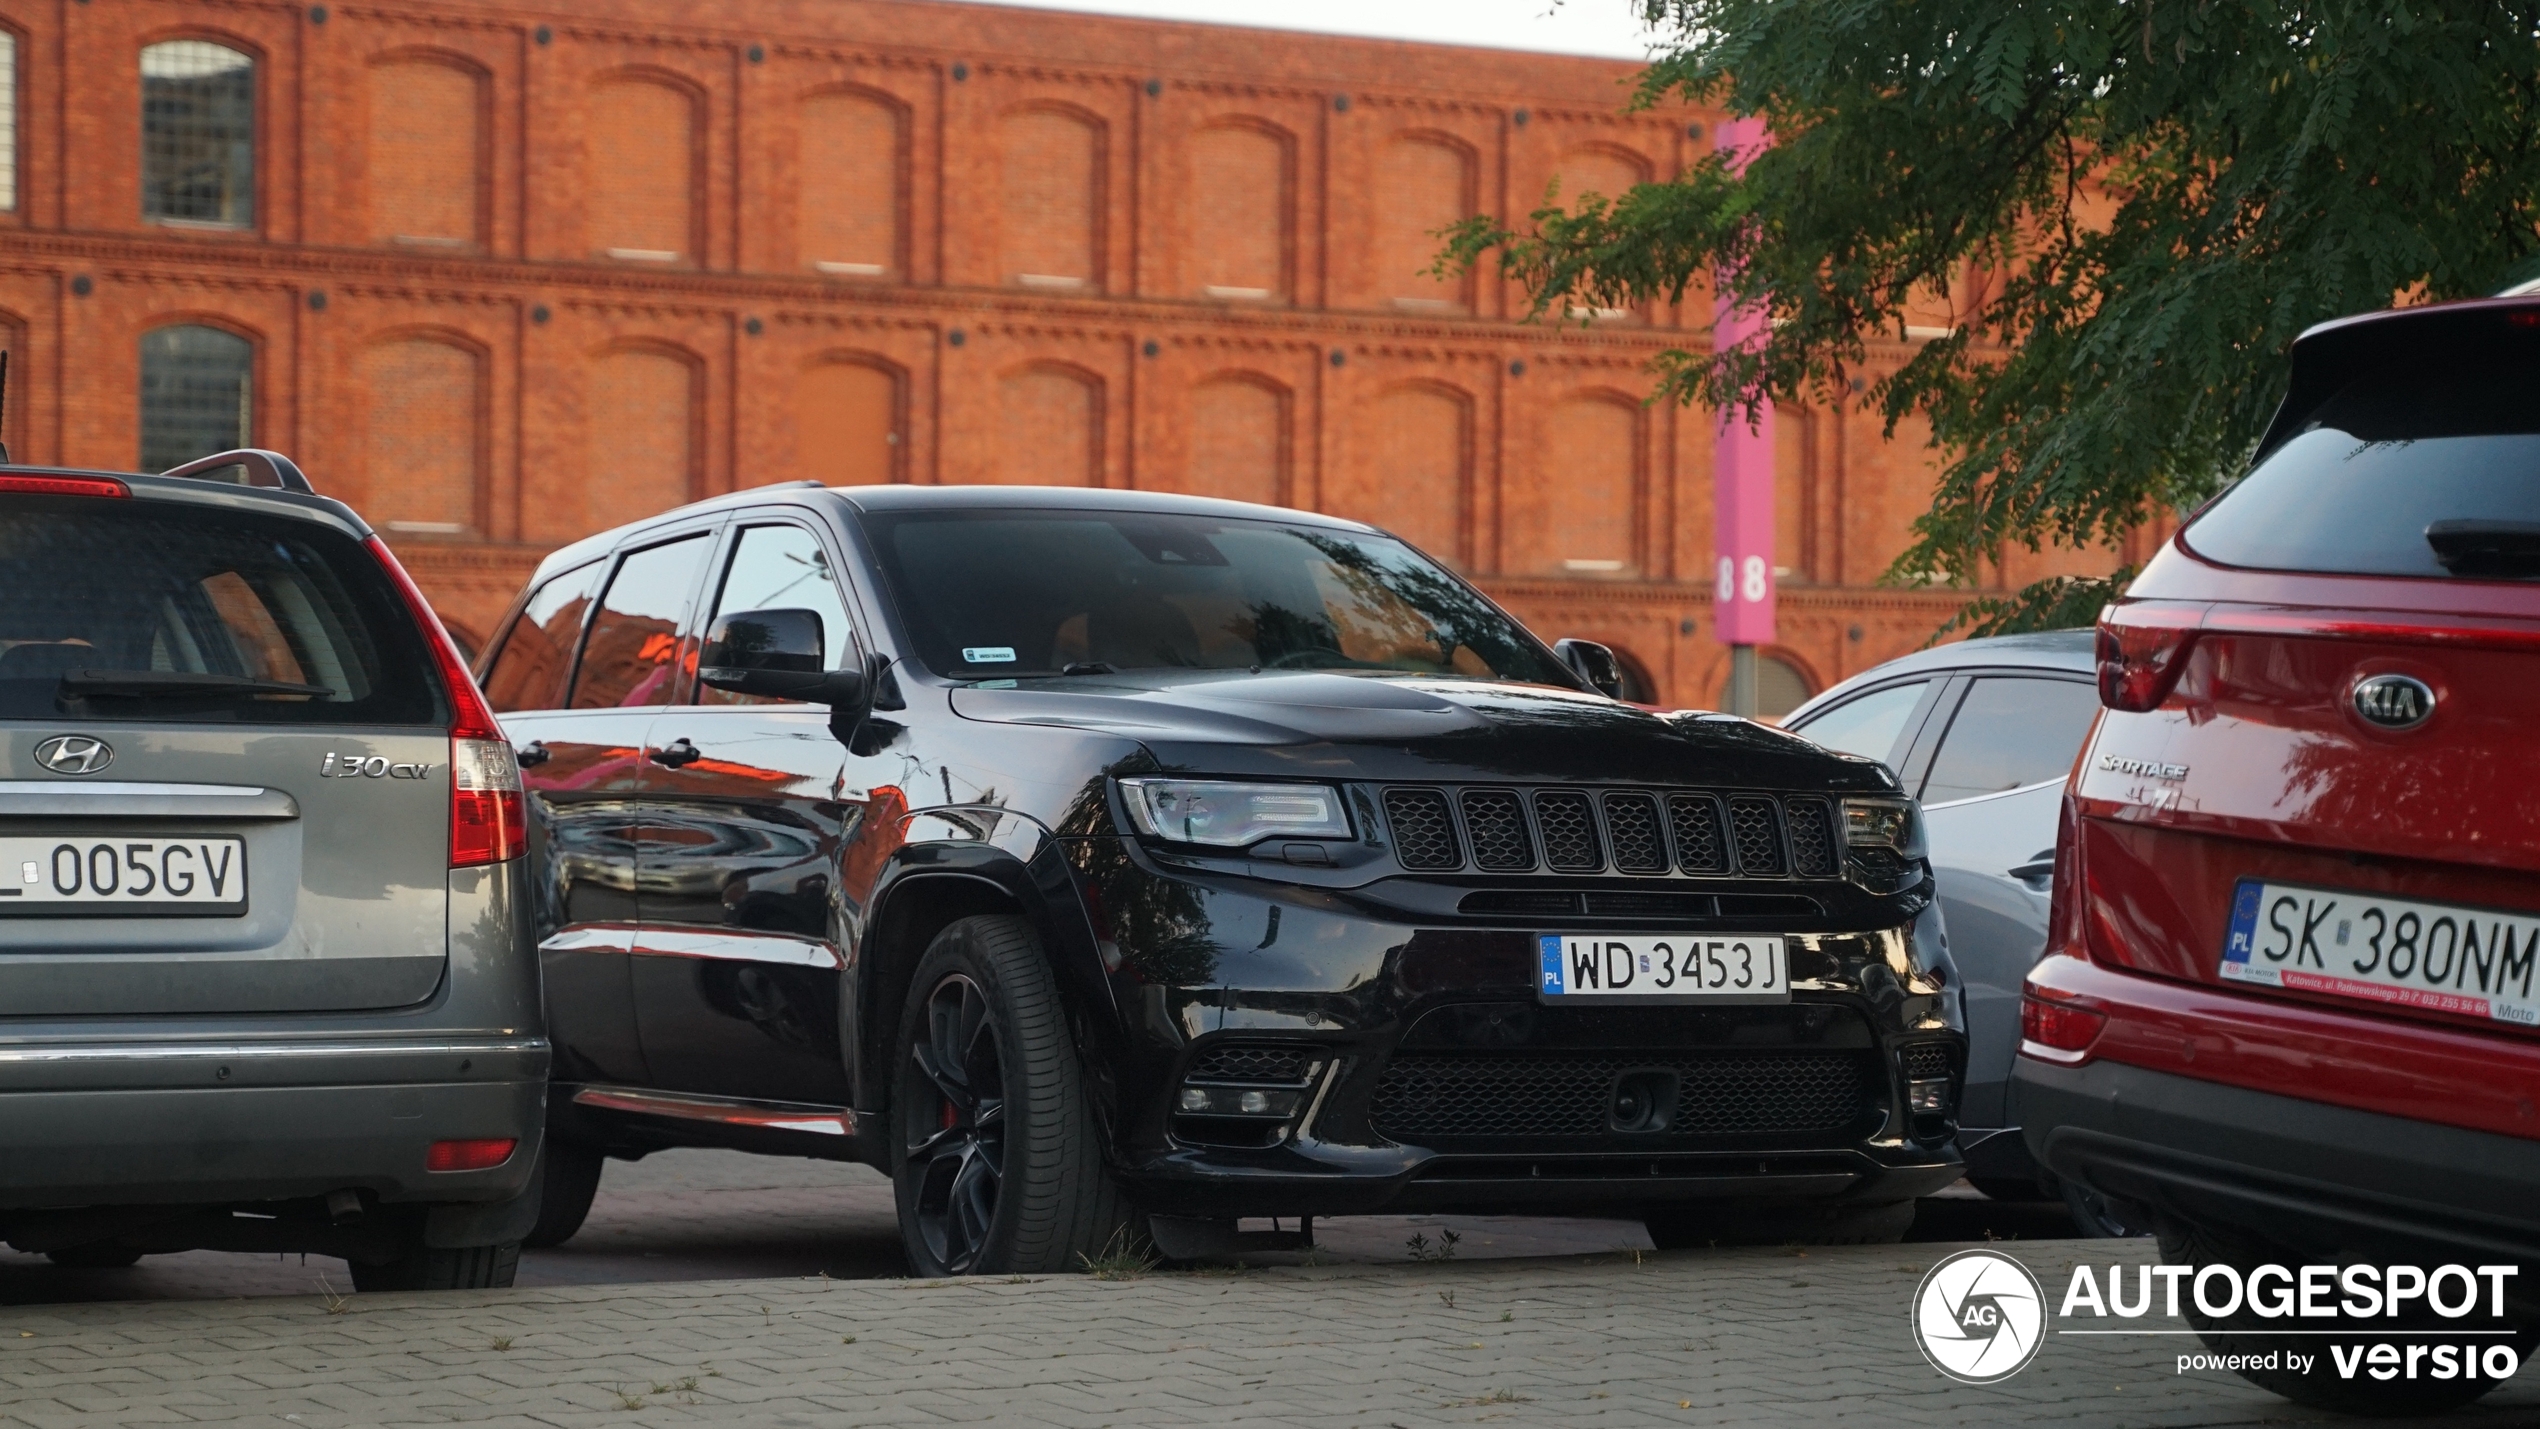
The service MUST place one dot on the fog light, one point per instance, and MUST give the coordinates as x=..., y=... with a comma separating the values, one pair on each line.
x=476, y=1154
x=1238, y=1101
x=1929, y=1098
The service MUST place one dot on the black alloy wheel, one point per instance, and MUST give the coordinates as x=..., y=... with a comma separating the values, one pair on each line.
x=955, y=1137
x=996, y=1160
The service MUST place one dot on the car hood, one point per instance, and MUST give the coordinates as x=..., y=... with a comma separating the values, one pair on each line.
x=1326, y=725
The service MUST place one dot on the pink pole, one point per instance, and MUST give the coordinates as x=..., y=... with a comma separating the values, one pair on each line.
x=1742, y=480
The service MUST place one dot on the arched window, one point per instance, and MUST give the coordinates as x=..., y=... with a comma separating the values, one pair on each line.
x=1239, y=204
x=1239, y=440
x=847, y=414
x=1423, y=183
x=8, y=120
x=198, y=134
x=1050, y=233
x=1412, y=461
x=1052, y=427
x=1577, y=517
x=1608, y=173
x=197, y=393
x=1780, y=686
x=850, y=190
x=643, y=435
x=426, y=152
x=641, y=152
x=425, y=405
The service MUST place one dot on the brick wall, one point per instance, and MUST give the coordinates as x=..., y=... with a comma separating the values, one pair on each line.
x=520, y=273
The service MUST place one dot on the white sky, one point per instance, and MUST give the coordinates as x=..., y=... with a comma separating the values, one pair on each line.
x=1571, y=27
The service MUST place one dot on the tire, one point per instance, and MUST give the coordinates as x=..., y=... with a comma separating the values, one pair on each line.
x=473, y=1267
x=2322, y=1388
x=96, y=1255
x=1693, y=1227
x=570, y=1178
x=2095, y=1218
x=1002, y=1182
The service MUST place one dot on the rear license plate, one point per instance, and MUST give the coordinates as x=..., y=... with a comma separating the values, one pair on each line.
x=1606, y=967
x=54, y=874
x=2433, y=957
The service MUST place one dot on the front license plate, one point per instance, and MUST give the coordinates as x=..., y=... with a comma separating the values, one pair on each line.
x=1603, y=966
x=57, y=874
x=2433, y=957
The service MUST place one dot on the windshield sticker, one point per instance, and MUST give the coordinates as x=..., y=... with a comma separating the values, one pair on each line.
x=987, y=654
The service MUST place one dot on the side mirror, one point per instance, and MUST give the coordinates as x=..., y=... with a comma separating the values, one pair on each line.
x=1594, y=664
x=776, y=653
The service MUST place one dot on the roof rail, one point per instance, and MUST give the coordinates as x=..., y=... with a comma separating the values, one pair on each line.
x=247, y=466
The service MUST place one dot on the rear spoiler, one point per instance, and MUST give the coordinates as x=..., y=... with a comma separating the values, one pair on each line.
x=2328, y=357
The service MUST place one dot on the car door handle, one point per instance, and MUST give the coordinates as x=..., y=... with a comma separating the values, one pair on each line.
x=2032, y=872
x=532, y=754
x=677, y=754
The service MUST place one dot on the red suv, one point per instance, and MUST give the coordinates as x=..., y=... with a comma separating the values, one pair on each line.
x=2289, y=1005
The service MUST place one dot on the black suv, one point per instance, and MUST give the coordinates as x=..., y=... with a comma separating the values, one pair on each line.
x=1083, y=858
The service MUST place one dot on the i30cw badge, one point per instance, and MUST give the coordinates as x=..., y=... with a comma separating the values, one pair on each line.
x=2394, y=701
x=1979, y=1316
x=74, y=754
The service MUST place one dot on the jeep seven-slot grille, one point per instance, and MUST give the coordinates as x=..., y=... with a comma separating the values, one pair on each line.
x=1626, y=831
x=1427, y=1096
x=1423, y=833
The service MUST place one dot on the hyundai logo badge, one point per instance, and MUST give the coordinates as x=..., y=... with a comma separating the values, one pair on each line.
x=2394, y=701
x=74, y=754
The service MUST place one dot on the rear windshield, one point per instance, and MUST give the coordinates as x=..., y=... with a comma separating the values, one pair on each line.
x=2434, y=473
x=134, y=610
x=992, y=593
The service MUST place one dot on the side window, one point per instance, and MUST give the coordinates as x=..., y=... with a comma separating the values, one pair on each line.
x=528, y=673
x=1871, y=725
x=783, y=568
x=2011, y=731
x=631, y=656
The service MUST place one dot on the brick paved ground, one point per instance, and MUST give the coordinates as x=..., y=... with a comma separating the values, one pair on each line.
x=723, y=1215
x=1756, y=1337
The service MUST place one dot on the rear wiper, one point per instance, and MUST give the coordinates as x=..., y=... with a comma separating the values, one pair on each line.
x=176, y=684
x=1088, y=667
x=2486, y=548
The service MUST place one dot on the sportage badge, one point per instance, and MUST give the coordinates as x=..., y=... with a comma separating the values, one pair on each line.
x=2394, y=701
x=74, y=754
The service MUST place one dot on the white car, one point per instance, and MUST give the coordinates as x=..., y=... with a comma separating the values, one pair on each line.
x=1983, y=732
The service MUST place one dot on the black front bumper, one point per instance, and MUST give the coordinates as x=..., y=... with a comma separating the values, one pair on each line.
x=2307, y=1173
x=1437, y=1080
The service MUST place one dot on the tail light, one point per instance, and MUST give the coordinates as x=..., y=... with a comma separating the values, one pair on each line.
x=2053, y=1028
x=2140, y=658
x=2063, y=902
x=481, y=1153
x=486, y=818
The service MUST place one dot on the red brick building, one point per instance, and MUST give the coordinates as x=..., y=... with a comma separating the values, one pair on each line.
x=502, y=275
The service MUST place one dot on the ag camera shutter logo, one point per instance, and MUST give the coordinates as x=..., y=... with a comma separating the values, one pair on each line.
x=1979, y=1316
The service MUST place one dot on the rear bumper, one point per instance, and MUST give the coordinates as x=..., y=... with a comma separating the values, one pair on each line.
x=201, y=1124
x=2300, y=1171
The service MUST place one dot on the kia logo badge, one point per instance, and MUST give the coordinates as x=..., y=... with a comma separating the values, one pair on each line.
x=74, y=754
x=2394, y=701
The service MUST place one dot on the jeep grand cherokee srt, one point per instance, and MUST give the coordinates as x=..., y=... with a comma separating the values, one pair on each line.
x=1082, y=856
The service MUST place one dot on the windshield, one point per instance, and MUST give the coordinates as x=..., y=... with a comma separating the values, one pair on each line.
x=137, y=610
x=2430, y=473
x=1003, y=593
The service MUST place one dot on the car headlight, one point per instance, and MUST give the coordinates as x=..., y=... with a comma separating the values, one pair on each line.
x=1892, y=824
x=1194, y=811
